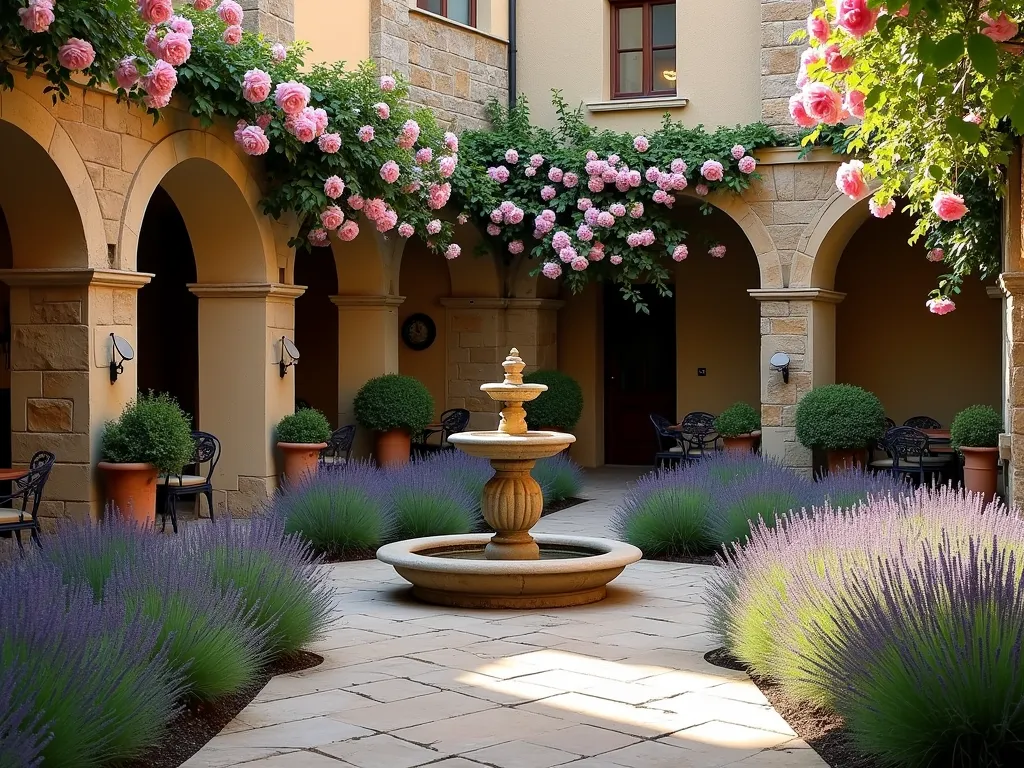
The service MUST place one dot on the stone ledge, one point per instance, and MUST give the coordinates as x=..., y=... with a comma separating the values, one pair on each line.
x=245, y=290
x=791, y=155
x=417, y=11
x=627, y=105
x=367, y=301
x=108, y=278
x=796, y=294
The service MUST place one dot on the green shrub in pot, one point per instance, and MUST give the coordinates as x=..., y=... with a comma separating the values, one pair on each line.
x=738, y=419
x=395, y=408
x=152, y=429
x=839, y=417
x=306, y=425
x=978, y=426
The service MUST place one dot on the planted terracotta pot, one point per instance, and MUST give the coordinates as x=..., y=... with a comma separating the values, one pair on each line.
x=392, y=448
x=981, y=470
x=839, y=461
x=131, y=490
x=742, y=443
x=300, y=459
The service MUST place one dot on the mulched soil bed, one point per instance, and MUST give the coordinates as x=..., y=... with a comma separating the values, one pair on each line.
x=558, y=506
x=199, y=722
x=824, y=731
x=711, y=559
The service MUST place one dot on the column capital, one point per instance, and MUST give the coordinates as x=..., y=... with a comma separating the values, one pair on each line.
x=1012, y=283
x=477, y=303
x=107, y=278
x=797, y=294
x=368, y=302
x=278, y=291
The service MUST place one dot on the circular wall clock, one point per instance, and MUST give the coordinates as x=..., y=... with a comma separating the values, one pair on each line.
x=418, y=331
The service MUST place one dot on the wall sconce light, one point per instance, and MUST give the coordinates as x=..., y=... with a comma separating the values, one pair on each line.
x=780, y=362
x=289, y=355
x=119, y=347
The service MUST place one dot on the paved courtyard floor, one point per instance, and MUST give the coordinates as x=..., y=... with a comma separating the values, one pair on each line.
x=617, y=684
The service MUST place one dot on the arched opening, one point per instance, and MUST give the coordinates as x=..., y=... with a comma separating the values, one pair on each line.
x=316, y=333
x=887, y=342
x=424, y=280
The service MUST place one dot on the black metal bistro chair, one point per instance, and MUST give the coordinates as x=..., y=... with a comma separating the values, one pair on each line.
x=339, y=447
x=452, y=422
x=173, y=487
x=907, y=450
x=19, y=509
x=922, y=422
x=699, y=435
x=670, y=450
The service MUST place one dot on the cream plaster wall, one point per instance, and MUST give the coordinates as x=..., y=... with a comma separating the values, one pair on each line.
x=566, y=45
x=336, y=31
x=424, y=282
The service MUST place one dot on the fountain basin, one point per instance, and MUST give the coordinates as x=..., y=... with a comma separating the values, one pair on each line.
x=499, y=445
x=452, y=571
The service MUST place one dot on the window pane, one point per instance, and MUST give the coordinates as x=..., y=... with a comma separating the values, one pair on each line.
x=663, y=24
x=631, y=28
x=665, y=69
x=631, y=72
x=458, y=10
x=434, y=6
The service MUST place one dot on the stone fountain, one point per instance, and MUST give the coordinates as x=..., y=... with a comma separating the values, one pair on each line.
x=511, y=568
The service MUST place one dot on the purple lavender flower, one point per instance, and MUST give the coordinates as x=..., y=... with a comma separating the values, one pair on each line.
x=468, y=472
x=23, y=730
x=560, y=478
x=425, y=503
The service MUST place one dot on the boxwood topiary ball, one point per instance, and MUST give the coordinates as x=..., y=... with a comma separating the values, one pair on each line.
x=306, y=425
x=560, y=407
x=839, y=417
x=976, y=427
x=392, y=402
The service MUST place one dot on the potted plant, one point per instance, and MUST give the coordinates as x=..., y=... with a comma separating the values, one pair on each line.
x=395, y=408
x=842, y=420
x=559, y=409
x=740, y=427
x=151, y=437
x=975, y=433
x=300, y=438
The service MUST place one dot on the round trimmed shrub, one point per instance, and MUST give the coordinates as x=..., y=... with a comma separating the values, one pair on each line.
x=839, y=417
x=978, y=426
x=558, y=408
x=392, y=402
x=152, y=429
x=738, y=419
x=306, y=425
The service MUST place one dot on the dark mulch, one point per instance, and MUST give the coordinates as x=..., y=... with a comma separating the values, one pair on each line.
x=201, y=721
x=711, y=559
x=558, y=506
x=825, y=731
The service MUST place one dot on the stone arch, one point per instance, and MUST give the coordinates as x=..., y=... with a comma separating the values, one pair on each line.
x=370, y=264
x=48, y=183
x=736, y=208
x=218, y=198
x=824, y=240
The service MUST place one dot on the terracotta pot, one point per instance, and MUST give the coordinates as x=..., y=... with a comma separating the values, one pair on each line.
x=300, y=459
x=981, y=470
x=131, y=489
x=392, y=448
x=847, y=459
x=742, y=443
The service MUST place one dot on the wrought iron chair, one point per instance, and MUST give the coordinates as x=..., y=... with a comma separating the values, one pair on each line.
x=174, y=486
x=670, y=449
x=922, y=422
x=19, y=509
x=452, y=422
x=699, y=435
x=890, y=424
x=339, y=447
x=907, y=450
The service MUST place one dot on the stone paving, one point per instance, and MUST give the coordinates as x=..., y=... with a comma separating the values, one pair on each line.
x=617, y=684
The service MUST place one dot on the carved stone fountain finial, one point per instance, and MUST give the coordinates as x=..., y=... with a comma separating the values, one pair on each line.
x=513, y=366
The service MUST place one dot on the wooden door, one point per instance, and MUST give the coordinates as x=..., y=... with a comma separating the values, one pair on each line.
x=640, y=374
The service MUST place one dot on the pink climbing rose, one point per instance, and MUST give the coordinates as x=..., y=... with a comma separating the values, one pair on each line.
x=615, y=259
x=579, y=263
x=332, y=217
x=850, y=179
x=446, y=166
x=680, y=253
x=822, y=103
x=511, y=156
x=390, y=171
x=712, y=170
x=451, y=142
x=388, y=83
x=156, y=100
x=555, y=175
x=536, y=161
x=551, y=269
x=940, y=306
x=570, y=180
x=881, y=210
x=405, y=229
x=202, y=5
x=424, y=156
x=37, y=16
x=349, y=231
x=76, y=54
x=605, y=219
x=747, y=164
x=278, y=52
x=493, y=230
x=438, y=195
x=818, y=27
x=636, y=210
x=516, y=247
x=798, y=113
x=382, y=109
x=291, y=97
x=717, y=251
x=462, y=218
x=334, y=187
x=949, y=207
x=701, y=190
x=585, y=233
x=264, y=120
x=856, y=17
x=434, y=226
x=560, y=241
x=256, y=86
x=252, y=140
x=160, y=80
x=318, y=237
x=584, y=204
x=410, y=133
x=356, y=202
x=232, y=35
x=453, y=251
x=835, y=61
x=737, y=152
x=182, y=25
x=329, y=143
x=935, y=254
x=1001, y=29
x=127, y=73
x=175, y=48
x=641, y=144
x=387, y=221
x=230, y=13
x=854, y=103
x=567, y=254
x=365, y=134
x=547, y=193
x=618, y=210
x=155, y=11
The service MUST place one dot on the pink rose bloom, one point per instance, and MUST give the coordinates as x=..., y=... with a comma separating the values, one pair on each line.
x=1001, y=29
x=747, y=164
x=127, y=74
x=451, y=142
x=318, y=237
x=516, y=247
x=437, y=196
x=493, y=230
x=605, y=219
x=617, y=210
x=835, y=61
x=37, y=16
x=434, y=226
x=798, y=113
x=653, y=173
x=615, y=259
x=291, y=97
x=332, y=217
x=536, y=161
x=850, y=179
x=387, y=221
x=530, y=173
x=585, y=233
x=622, y=181
x=202, y=5
x=334, y=187
x=410, y=133
x=388, y=83
x=390, y=171
x=633, y=240
x=462, y=218
x=453, y=251
x=301, y=126
x=365, y=134
x=641, y=144
x=155, y=11
x=579, y=263
x=349, y=231
x=160, y=80
x=551, y=269
x=584, y=204
x=737, y=152
x=678, y=166
x=256, y=86
x=567, y=254
x=949, y=207
x=570, y=180
x=636, y=210
x=822, y=103
x=253, y=140
x=591, y=155
x=595, y=253
x=516, y=216
x=182, y=25
x=855, y=17
x=497, y=215
x=807, y=58
x=881, y=211
x=406, y=230
x=717, y=251
x=278, y=52
x=232, y=35
x=560, y=241
x=511, y=156
x=613, y=159
x=854, y=103
x=973, y=117
x=547, y=193
x=609, y=175
x=680, y=253
x=153, y=42
x=555, y=175
x=264, y=120
x=635, y=179
x=76, y=54
x=156, y=100
x=595, y=184
x=230, y=13
x=935, y=254
x=712, y=170
x=591, y=215
x=941, y=306
x=329, y=143
x=701, y=189
x=659, y=196
x=410, y=188
x=382, y=109
x=446, y=166
x=424, y=156
x=356, y=202
x=818, y=28
x=374, y=208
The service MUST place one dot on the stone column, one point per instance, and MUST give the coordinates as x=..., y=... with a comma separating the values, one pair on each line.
x=61, y=393
x=274, y=18
x=531, y=325
x=1012, y=284
x=802, y=323
x=780, y=59
x=367, y=346
x=476, y=342
x=242, y=395
x=389, y=35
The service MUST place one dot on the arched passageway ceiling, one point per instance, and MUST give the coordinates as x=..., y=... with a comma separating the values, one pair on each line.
x=823, y=241
x=368, y=265
x=736, y=208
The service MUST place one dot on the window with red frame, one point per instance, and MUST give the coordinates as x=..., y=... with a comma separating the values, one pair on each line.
x=643, y=49
x=462, y=11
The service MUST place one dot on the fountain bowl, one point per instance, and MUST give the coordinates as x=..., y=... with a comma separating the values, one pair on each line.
x=499, y=445
x=452, y=571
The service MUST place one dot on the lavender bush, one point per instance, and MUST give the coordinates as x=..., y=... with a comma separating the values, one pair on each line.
x=23, y=729
x=428, y=503
x=276, y=573
x=88, y=553
x=560, y=478
x=468, y=472
x=665, y=516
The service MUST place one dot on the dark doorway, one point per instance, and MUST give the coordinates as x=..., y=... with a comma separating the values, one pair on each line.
x=640, y=373
x=316, y=332
x=168, y=312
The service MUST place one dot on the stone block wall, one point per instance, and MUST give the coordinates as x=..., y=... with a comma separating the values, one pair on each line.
x=274, y=18
x=780, y=59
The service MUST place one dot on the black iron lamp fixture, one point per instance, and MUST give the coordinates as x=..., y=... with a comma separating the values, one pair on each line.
x=780, y=362
x=289, y=355
x=119, y=348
